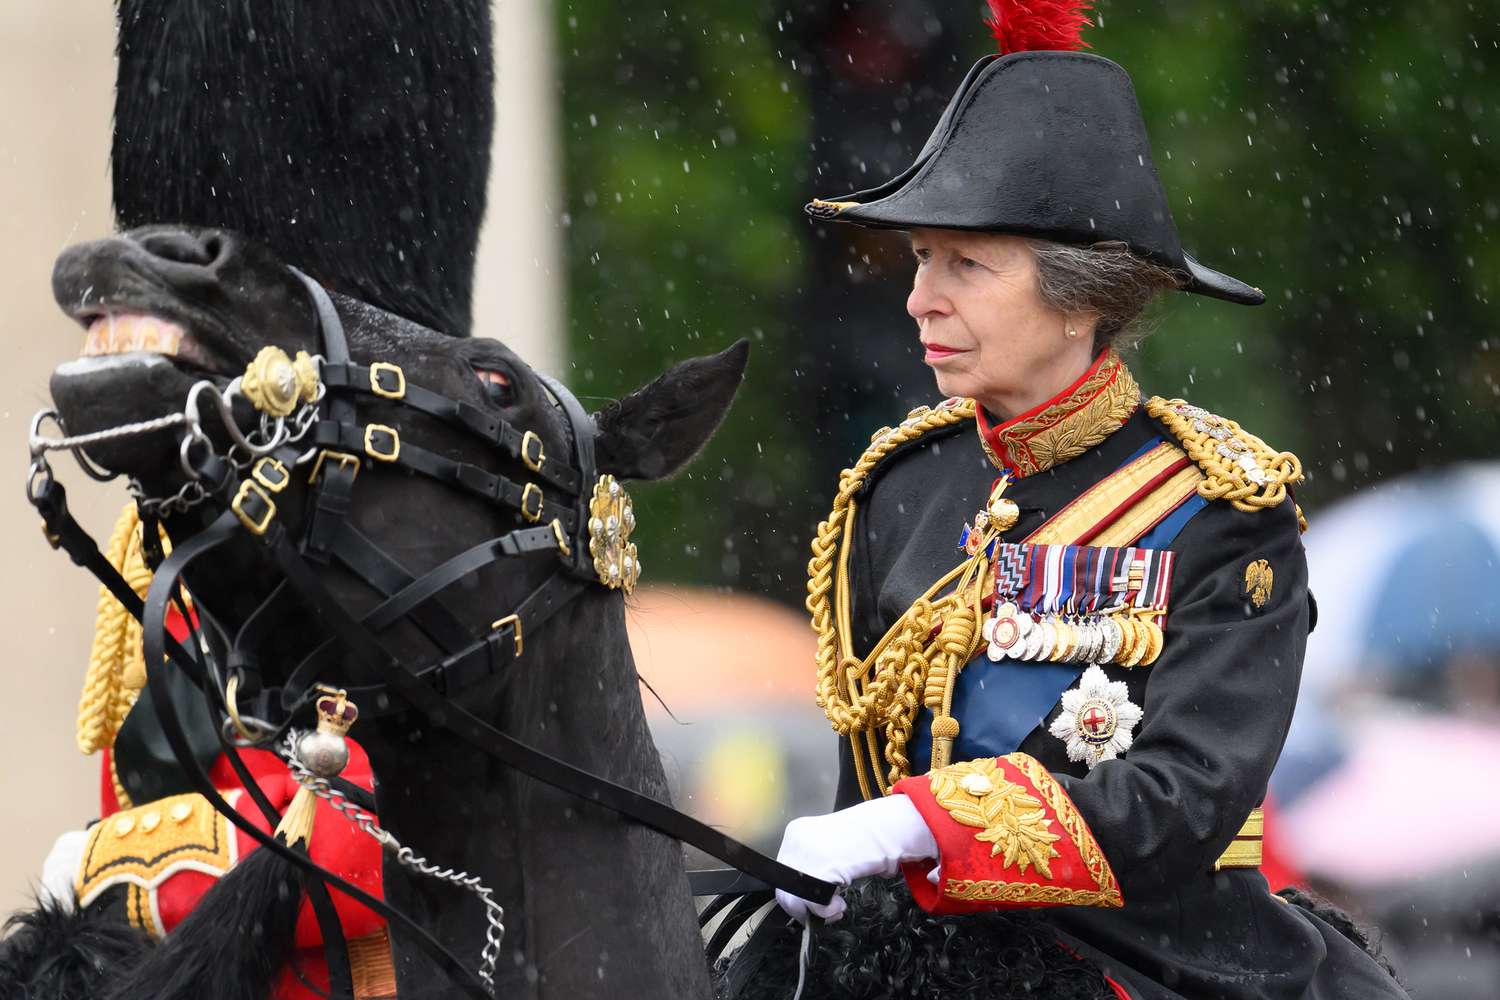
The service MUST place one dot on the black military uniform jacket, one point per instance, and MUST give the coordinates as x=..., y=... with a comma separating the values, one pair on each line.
x=1216, y=703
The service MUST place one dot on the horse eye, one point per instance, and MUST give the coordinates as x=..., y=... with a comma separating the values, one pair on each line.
x=497, y=386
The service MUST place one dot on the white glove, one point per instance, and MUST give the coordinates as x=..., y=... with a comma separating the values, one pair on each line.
x=60, y=870
x=872, y=838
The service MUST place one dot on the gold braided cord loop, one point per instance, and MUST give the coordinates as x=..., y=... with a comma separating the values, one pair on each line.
x=1237, y=465
x=117, y=670
x=882, y=691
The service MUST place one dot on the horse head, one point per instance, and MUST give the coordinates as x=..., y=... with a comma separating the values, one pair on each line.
x=167, y=308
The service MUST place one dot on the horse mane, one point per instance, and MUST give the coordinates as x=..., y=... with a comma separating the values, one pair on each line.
x=57, y=950
x=353, y=141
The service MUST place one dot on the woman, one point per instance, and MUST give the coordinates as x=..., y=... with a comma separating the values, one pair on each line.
x=1064, y=655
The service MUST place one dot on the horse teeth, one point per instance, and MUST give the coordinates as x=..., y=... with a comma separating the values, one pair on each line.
x=120, y=333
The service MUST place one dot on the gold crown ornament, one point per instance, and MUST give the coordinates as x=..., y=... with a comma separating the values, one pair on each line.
x=325, y=753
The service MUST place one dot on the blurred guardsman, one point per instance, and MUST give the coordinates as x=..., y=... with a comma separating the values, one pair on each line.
x=1061, y=621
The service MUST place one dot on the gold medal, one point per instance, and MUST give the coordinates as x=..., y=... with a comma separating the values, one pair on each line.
x=1128, y=641
x=1142, y=643
x=1067, y=641
x=1155, y=640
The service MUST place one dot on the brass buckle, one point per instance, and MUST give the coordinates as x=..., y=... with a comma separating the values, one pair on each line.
x=271, y=474
x=379, y=368
x=562, y=539
x=534, y=464
x=515, y=620
x=248, y=489
x=341, y=457
x=532, y=514
x=382, y=456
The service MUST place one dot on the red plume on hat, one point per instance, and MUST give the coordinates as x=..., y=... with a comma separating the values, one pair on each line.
x=1026, y=25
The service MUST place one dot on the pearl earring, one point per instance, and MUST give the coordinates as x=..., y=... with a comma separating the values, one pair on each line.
x=1072, y=332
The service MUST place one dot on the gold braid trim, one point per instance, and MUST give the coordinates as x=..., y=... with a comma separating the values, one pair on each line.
x=1078, y=831
x=105, y=699
x=117, y=670
x=1009, y=818
x=1237, y=465
x=987, y=891
x=1074, y=423
x=881, y=692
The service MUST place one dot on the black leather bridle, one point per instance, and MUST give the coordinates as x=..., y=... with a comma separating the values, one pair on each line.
x=247, y=505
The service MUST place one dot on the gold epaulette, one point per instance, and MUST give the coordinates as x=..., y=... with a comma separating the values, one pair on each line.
x=1237, y=466
x=918, y=423
x=143, y=847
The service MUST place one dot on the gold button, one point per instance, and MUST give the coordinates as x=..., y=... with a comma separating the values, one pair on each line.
x=181, y=811
x=150, y=821
x=977, y=785
x=123, y=826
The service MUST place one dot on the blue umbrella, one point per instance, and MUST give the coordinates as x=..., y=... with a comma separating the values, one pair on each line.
x=1440, y=598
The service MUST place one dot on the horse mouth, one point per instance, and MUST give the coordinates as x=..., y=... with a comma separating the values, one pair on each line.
x=117, y=338
x=134, y=364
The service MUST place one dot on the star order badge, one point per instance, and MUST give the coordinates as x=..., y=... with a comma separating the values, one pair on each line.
x=1258, y=579
x=1098, y=719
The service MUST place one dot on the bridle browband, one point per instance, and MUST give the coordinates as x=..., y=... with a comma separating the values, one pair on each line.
x=335, y=446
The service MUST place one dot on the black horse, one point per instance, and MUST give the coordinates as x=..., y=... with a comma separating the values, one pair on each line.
x=574, y=879
x=596, y=905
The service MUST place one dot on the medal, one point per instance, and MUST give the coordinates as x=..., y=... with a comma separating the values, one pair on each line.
x=1110, y=640
x=1048, y=643
x=1066, y=642
x=1155, y=640
x=1031, y=642
x=1141, y=644
x=1098, y=719
x=1092, y=641
x=1003, y=632
x=1128, y=641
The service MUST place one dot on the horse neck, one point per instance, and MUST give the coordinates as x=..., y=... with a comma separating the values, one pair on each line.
x=595, y=905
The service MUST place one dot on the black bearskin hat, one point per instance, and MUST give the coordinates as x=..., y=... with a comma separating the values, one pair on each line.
x=354, y=140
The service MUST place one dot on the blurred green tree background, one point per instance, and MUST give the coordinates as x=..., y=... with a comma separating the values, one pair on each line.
x=1341, y=155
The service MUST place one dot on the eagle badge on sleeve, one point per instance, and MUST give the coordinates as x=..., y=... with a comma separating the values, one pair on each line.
x=1258, y=580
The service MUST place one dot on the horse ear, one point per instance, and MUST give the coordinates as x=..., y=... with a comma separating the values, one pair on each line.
x=659, y=428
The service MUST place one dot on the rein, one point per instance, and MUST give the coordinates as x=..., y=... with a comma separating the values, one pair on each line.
x=309, y=419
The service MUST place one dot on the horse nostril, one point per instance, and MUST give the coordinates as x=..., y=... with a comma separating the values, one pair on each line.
x=183, y=248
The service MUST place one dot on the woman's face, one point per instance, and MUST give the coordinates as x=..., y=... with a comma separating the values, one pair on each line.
x=983, y=325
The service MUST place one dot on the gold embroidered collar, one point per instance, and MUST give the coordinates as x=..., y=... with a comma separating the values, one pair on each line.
x=1065, y=426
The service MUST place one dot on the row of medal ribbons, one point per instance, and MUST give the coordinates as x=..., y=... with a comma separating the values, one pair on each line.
x=1078, y=603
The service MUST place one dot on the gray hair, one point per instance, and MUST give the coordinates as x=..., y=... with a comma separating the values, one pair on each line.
x=1104, y=278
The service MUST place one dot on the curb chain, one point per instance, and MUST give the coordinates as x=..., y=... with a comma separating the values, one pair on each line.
x=494, y=913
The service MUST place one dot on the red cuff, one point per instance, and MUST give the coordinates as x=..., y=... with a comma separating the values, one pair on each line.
x=1031, y=848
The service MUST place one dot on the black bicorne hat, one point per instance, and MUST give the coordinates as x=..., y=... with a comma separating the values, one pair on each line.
x=1043, y=144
